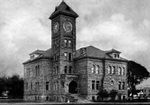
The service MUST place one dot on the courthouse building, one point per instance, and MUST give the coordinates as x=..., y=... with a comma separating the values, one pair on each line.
x=62, y=71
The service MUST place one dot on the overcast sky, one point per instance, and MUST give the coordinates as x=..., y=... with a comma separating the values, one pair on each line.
x=120, y=24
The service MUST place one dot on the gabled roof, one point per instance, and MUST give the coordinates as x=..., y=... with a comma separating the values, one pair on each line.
x=92, y=51
x=43, y=54
x=63, y=8
x=113, y=51
x=37, y=52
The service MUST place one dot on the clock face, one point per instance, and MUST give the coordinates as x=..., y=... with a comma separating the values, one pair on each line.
x=67, y=26
x=56, y=27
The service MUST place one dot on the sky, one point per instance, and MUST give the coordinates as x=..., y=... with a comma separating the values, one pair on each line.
x=120, y=24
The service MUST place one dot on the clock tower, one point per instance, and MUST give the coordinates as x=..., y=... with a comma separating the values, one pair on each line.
x=63, y=27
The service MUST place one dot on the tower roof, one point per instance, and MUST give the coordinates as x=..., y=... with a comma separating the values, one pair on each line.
x=64, y=9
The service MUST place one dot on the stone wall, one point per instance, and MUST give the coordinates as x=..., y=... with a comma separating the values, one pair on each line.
x=94, y=76
x=35, y=92
x=111, y=81
x=81, y=69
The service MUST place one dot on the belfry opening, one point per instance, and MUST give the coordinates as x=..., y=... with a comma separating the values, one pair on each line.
x=73, y=87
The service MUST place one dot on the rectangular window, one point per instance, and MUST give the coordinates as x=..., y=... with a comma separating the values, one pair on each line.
x=47, y=85
x=65, y=69
x=97, y=85
x=28, y=72
x=57, y=69
x=119, y=86
x=123, y=85
x=37, y=85
x=70, y=57
x=37, y=70
x=93, y=85
x=31, y=86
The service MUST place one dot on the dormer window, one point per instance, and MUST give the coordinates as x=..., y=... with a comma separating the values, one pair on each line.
x=83, y=51
x=31, y=56
x=116, y=55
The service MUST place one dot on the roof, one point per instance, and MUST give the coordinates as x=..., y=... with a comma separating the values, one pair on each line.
x=43, y=54
x=63, y=8
x=37, y=52
x=91, y=51
x=113, y=51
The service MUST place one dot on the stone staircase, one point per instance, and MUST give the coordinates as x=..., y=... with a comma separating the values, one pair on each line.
x=77, y=98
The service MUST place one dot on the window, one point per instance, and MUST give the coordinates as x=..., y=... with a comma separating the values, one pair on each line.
x=93, y=98
x=57, y=57
x=97, y=69
x=65, y=43
x=97, y=85
x=37, y=85
x=119, y=71
x=109, y=69
x=47, y=85
x=31, y=86
x=113, y=70
x=119, y=86
x=112, y=82
x=37, y=70
x=65, y=54
x=70, y=69
x=54, y=57
x=57, y=70
x=69, y=43
x=123, y=71
x=28, y=72
x=116, y=55
x=93, y=85
x=92, y=69
x=123, y=85
x=70, y=57
x=65, y=69
x=54, y=71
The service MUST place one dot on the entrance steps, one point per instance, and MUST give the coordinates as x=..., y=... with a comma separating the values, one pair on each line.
x=77, y=98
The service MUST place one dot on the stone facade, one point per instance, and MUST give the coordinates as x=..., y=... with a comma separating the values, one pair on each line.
x=56, y=73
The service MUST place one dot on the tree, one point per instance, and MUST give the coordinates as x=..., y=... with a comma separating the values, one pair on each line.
x=102, y=94
x=15, y=84
x=136, y=74
x=113, y=94
x=12, y=85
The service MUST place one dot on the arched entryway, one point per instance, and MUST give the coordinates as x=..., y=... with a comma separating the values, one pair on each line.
x=73, y=87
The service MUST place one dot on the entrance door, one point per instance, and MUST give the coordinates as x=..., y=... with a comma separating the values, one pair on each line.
x=73, y=87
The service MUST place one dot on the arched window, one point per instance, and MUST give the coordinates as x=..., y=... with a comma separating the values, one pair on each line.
x=123, y=85
x=119, y=86
x=69, y=43
x=65, y=54
x=65, y=69
x=113, y=70
x=97, y=69
x=123, y=71
x=119, y=71
x=65, y=43
x=93, y=69
x=109, y=69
